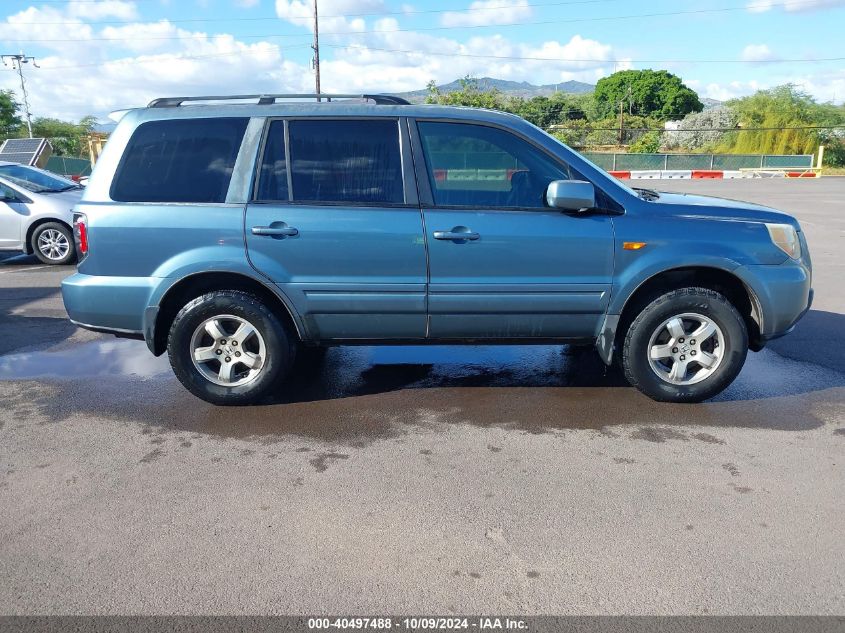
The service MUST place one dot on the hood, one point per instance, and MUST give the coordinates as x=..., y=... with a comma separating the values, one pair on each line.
x=60, y=203
x=711, y=208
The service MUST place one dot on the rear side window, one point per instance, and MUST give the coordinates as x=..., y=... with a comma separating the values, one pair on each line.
x=273, y=177
x=181, y=160
x=355, y=161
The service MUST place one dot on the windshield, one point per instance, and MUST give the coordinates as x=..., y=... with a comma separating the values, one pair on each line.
x=36, y=180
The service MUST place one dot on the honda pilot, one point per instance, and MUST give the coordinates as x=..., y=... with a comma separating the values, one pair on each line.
x=232, y=233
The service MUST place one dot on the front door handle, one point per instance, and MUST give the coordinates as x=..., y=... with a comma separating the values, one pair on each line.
x=458, y=234
x=277, y=229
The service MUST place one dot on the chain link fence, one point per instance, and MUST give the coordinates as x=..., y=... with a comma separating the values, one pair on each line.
x=630, y=162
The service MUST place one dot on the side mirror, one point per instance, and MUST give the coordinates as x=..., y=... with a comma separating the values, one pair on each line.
x=571, y=195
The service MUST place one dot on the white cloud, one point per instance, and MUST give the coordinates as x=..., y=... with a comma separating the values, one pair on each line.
x=333, y=13
x=795, y=6
x=731, y=90
x=376, y=63
x=757, y=53
x=487, y=12
x=101, y=10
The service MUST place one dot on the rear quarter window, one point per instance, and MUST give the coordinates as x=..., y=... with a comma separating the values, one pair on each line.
x=179, y=160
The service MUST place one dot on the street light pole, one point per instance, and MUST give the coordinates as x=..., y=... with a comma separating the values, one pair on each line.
x=17, y=62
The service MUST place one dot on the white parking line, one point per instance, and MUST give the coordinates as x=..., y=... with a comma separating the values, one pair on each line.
x=24, y=270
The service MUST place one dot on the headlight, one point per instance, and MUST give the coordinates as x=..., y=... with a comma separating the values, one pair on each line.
x=785, y=238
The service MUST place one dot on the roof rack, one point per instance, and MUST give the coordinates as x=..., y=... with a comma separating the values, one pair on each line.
x=267, y=99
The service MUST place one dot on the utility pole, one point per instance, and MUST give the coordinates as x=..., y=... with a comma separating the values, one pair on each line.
x=17, y=62
x=316, y=47
x=621, y=122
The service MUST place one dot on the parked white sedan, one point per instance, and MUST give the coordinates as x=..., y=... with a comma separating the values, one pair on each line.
x=36, y=213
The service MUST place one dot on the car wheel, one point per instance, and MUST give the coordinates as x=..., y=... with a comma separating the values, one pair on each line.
x=685, y=346
x=227, y=347
x=52, y=243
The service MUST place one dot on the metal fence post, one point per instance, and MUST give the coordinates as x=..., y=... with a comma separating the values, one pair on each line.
x=614, y=161
x=712, y=161
x=665, y=162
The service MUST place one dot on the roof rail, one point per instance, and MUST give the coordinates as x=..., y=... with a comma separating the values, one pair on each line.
x=267, y=99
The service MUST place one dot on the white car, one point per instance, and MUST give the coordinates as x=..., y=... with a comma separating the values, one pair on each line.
x=36, y=213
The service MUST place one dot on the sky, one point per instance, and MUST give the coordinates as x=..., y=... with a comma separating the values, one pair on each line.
x=95, y=56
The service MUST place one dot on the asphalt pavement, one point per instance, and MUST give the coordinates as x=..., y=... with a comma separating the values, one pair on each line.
x=401, y=480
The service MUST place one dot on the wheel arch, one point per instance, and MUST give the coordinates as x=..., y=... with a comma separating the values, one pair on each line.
x=30, y=231
x=158, y=319
x=712, y=278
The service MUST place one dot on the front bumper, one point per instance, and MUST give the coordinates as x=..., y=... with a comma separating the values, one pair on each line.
x=783, y=295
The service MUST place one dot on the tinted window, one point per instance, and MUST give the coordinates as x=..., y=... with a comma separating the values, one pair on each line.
x=479, y=166
x=273, y=178
x=187, y=160
x=346, y=161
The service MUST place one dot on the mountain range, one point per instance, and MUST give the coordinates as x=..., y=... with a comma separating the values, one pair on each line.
x=523, y=89
x=510, y=88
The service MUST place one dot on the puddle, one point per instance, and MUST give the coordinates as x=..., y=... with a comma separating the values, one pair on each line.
x=118, y=357
x=357, y=395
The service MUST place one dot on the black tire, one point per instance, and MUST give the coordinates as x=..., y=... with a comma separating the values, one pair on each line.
x=48, y=229
x=279, y=345
x=707, y=303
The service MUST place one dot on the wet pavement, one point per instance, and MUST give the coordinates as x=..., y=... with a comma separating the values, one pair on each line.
x=524, y=479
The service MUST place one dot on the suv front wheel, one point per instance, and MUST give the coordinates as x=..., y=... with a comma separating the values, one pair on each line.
x=685, y=346
x=227, y=347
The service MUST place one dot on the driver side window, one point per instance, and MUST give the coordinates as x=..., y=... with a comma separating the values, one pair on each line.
x=480, y=166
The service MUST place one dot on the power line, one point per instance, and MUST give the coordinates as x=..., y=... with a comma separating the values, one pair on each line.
x=265, y=18
x=600, y=61
x=156, y=59
x=278, y=47
x=435, y=28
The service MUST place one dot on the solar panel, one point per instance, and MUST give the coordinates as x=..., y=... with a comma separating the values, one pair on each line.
x=17, y=157
x=26, y=151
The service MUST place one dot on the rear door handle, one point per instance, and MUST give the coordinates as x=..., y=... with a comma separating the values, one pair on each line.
x=457, y=234
x=275, y=231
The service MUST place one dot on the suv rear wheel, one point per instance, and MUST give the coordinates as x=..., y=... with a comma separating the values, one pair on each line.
x=685, y=346
x=227, y=347
x=52, y=243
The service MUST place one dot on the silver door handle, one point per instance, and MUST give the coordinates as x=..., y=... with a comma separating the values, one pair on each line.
x=273, y=230
x=455, y=235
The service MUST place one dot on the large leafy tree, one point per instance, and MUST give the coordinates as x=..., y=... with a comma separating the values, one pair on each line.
x=10, y=121
x=649, y=93
x=67, y=138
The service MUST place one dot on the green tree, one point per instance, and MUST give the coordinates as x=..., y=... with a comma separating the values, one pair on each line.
x=651, y=93
x=552, y=110
x=648, y=143
x=10, y=121
x=790, y=120
x=470, y=94
x=67, y=138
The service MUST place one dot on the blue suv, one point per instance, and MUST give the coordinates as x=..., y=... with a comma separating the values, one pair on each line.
x=233, y=232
